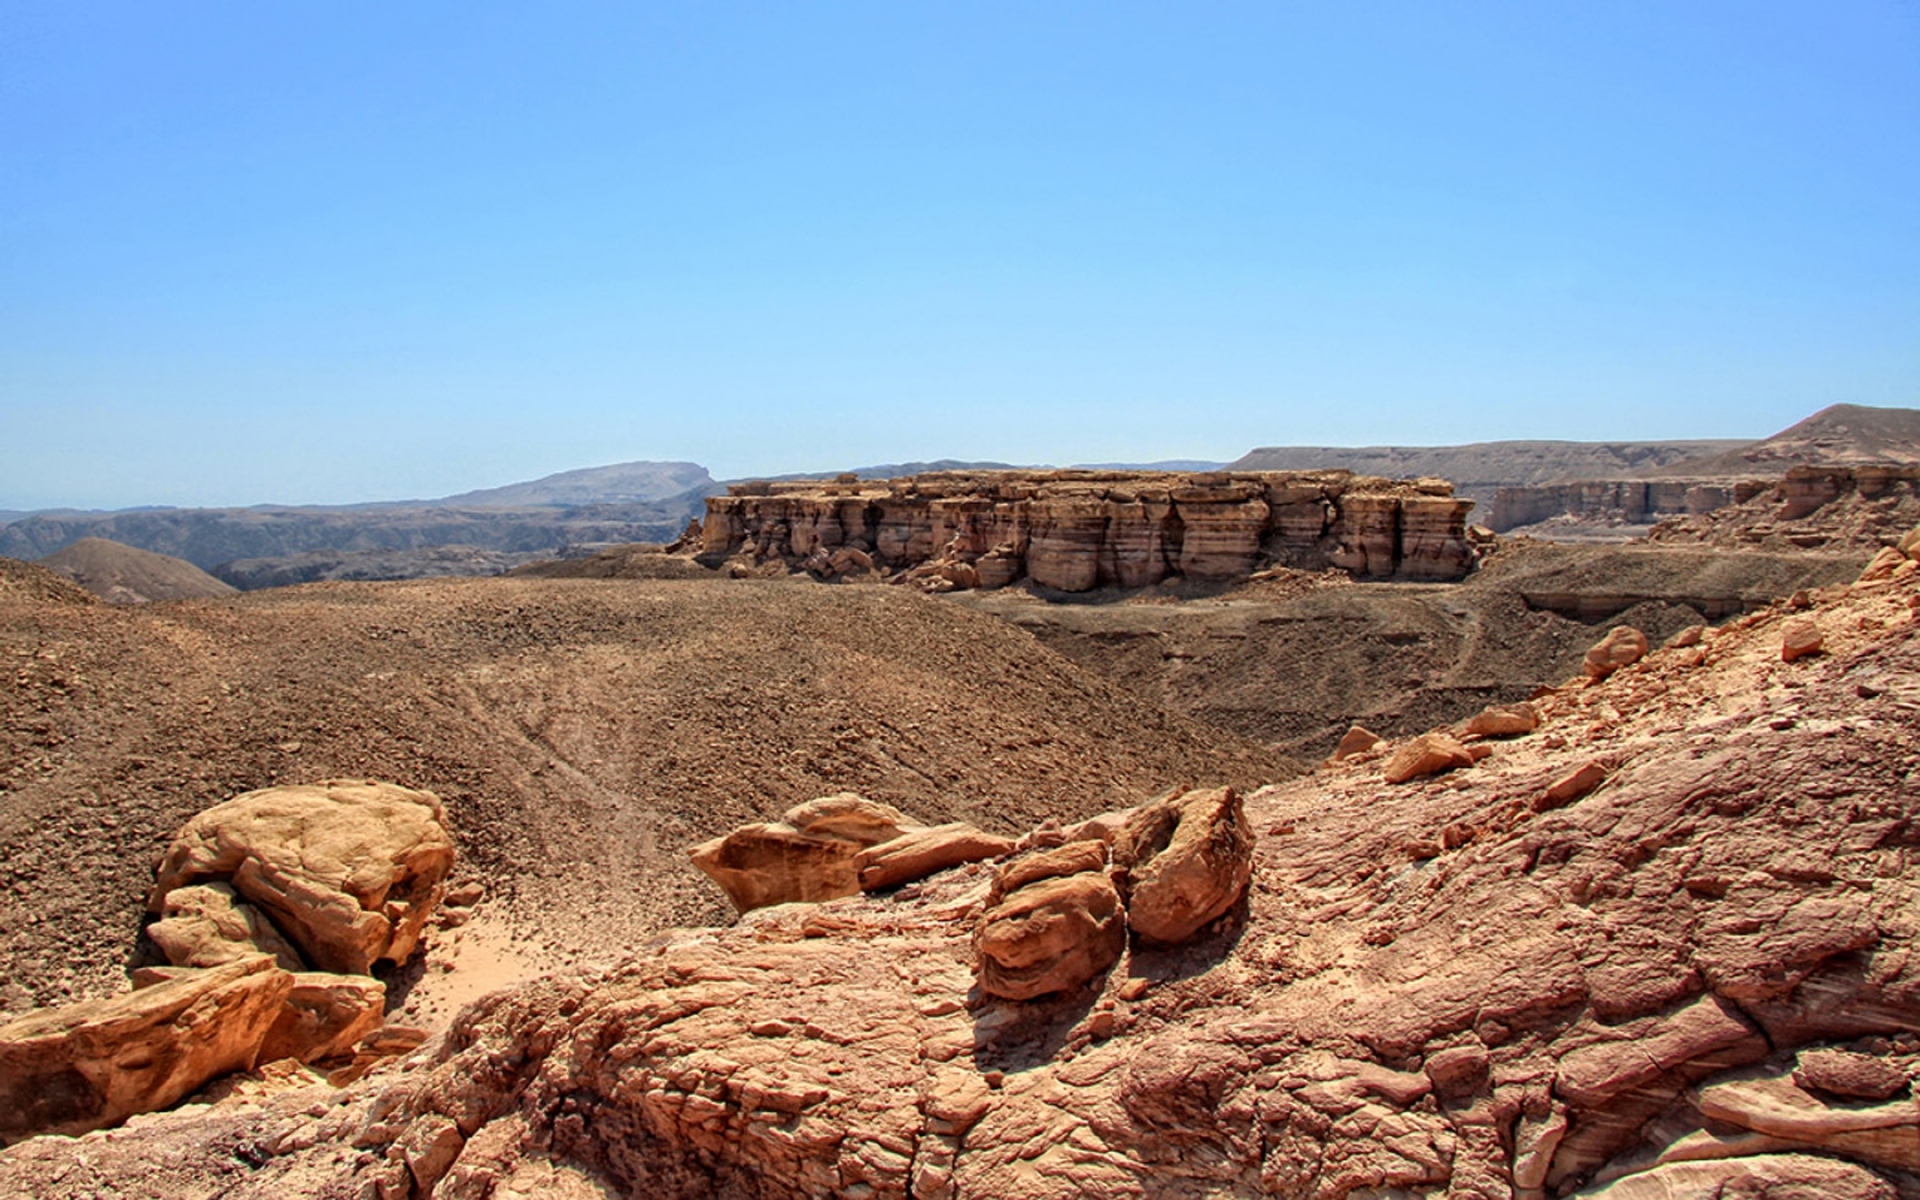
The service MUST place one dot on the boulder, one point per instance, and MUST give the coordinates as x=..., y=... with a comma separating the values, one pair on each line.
x=84, y=1066
x=1622, y=647
x=1504, y=720
x=1044, y=933
x=205, y=925
x=325, y=1016
x=1799, y=638
x=809, y=855
x=1428, y=754
x=1357, y=740
x=919, y=854
x=348, y=869
x=1187, y=860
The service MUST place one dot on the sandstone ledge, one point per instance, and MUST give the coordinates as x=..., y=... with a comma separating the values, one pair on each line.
x=1077, y=530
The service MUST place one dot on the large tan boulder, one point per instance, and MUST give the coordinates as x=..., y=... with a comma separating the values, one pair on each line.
x=1504, y=720
x=348, y=869
x=1622, y=647
x=206, y=925
x=808, y=855
x=1053, y=921
x=1187, y=859
x=88, y=1065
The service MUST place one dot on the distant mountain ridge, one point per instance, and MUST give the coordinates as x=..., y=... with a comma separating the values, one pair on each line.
x=1840, y=435
x=620, y=483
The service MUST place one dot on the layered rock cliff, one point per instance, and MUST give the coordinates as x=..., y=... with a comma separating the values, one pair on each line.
x=1074, y=531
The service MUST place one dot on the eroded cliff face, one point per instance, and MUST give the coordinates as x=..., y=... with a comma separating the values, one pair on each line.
x=1801, y=492
x=1074, y=531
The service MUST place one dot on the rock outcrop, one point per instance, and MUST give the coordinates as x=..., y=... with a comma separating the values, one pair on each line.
x=807, y=855
x=1622, y=647
x=71, y=1069
x=348, y=869
x=1073, y=531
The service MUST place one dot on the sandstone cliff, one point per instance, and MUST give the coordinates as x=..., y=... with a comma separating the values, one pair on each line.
x=1074, y=531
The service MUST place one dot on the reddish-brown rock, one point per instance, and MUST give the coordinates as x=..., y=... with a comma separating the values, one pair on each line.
x=919, y=854
x=71, y=1069
x=1622, y=647
x=206, y=926
x=1073, y=531
x=1428, y=754
x=1799, y=638
x=809, y=855
x=1356, y=740
x=1187, y=860
x=1503, y=720
x=1054, y=922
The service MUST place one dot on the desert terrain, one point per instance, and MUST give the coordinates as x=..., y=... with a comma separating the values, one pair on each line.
x=1611, y=895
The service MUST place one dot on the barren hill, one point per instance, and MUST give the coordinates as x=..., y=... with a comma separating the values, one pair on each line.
x=1480, y=469
x=126, y=575
x=583, y=734
x=1840, y=435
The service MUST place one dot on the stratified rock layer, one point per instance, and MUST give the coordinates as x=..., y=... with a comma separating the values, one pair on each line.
x=71, y=1069
x=1073, y=531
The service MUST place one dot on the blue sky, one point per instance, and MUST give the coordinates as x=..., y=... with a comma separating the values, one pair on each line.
x=325, y=253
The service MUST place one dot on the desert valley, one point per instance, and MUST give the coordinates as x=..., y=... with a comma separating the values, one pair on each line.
x=1520, y=819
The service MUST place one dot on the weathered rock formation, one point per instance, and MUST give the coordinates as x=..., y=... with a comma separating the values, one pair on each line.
x=348, y=869
x=1622, y=647
x=836, y=846
x=1185, y=860
x=1052, y=922
x=71, y=1069
x=237, y=992
x=1073, y=531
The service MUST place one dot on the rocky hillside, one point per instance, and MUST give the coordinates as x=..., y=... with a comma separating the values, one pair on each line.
x=582, y=734
x=1291, y=658
x=1840, y=435
x=124, y=575
x=208, y=537
x=1829, y=444
x=1654, y=940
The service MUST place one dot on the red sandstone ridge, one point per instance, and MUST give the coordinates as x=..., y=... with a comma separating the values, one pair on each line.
x=1661, y=945
x=1078, y=530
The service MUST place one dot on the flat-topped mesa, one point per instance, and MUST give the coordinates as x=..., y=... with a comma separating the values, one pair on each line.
x=1074, y=531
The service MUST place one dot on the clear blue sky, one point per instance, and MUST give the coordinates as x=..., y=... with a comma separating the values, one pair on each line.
x=332, y=252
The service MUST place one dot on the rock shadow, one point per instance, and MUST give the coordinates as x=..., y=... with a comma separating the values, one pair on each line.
x=1018, y=1035
x=401, y=978
x=1196, y=956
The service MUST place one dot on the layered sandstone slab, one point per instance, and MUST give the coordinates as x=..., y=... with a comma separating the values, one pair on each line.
x=348, y=869
x=83, y=1066
x=1073, y=531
